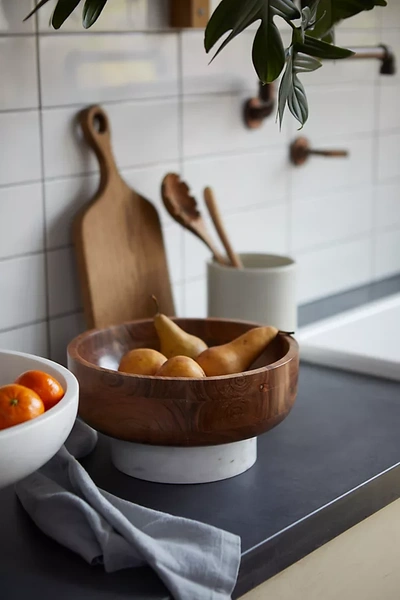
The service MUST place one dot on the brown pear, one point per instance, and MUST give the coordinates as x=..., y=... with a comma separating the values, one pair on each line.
x=236, y=356
x=174, y=341
x=141, y=361
x=181, y=366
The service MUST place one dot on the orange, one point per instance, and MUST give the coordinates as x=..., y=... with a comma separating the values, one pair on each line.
x=46, y=387
x=18, y=404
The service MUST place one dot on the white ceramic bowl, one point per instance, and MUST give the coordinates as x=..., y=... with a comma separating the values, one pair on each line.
x=28, y=446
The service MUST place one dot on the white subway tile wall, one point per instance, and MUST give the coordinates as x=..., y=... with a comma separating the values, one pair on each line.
x=62, y=330
x=119, y=15
x=22, y=220
x=79, y=69
x=22, y=290
x=18, y=68
x=20, y=147
x=63, y=284
x=12, y=15
x=387, y=252
x=172, y=111
x=32, y=339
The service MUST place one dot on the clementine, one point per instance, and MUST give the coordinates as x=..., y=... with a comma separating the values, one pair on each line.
x=18, y=404
x=46, y=386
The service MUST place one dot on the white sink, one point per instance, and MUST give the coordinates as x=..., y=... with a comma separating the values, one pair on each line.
x=364, y=340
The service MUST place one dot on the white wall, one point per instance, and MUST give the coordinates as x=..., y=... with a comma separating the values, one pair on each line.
x=170, y=111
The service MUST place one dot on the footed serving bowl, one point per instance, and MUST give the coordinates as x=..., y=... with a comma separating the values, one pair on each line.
x=181, y=412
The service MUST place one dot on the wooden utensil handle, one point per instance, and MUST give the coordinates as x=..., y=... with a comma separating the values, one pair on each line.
x=97, y=131
x=217, y=220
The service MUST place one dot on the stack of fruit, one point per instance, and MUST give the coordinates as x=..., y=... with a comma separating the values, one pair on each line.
x=185, y=355
x=28, y=397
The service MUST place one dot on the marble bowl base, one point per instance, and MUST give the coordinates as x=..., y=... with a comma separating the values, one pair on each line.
x=166, y=464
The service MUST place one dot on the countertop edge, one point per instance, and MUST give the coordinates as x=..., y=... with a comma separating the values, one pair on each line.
x=306, y=535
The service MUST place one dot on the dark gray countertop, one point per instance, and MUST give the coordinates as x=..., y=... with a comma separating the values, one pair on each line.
x=334, y=461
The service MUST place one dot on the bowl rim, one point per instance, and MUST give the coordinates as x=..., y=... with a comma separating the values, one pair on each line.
x=288, y=263
x=71, y=394
x=73, y=353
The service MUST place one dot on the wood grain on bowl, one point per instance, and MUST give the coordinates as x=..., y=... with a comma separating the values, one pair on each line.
x=177, y=411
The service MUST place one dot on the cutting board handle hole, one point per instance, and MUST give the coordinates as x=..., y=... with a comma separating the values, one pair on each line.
x=99, y=123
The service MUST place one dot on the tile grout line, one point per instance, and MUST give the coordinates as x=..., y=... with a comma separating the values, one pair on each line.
x=240, y=210
x=168, y=162
x=22, y=326
x=181, y=158
x=27, y=109
x=149, y=31
x=42, y=165
x=4, y=259
x=159, y=98
x=290, y=197
x=62, y=315
x=40, y=252
x=344, y=241
x=375, y=168
x=83, y=104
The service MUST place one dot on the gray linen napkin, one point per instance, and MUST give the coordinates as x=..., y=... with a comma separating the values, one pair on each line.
x=195, y=561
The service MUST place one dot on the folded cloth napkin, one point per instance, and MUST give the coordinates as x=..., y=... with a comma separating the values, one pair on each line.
x=195, y=561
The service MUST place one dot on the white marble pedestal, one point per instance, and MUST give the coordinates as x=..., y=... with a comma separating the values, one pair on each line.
x=166, y=464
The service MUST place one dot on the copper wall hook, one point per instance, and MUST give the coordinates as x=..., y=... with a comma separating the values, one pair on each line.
x=300, y=150
x=382, y=52
x=258, y=109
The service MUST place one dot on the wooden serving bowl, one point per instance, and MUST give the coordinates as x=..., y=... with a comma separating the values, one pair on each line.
x=179, y=411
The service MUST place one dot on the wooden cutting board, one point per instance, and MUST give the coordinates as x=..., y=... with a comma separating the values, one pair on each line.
x=118, y=242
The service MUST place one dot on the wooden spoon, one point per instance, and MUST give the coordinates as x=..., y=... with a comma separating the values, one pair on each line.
x=215, y=214
x=183, y=208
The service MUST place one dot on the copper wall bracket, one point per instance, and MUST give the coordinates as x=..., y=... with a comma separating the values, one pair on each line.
x=300, y=151
x=258, y=109
x=382, y=52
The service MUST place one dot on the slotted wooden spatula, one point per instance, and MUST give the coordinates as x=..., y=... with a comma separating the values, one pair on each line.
x=118, y=242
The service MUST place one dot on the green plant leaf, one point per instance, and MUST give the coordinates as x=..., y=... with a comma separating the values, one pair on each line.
x=303, y=57
x=329, y=37
x=331, y=12
x=285, y=9
x=312, y=40
x=285, y=86
x=62, y=11
x=268, y=52
x=305, y=64
x=305, y=18
x=236, y=15
x=233, y=16
x=91, y=12
x=309, y=16
x=291, y=90
x=39, y=5
x=321, y=49
x=297, y=101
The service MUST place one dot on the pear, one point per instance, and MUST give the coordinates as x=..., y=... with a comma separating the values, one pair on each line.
x=236, y=356
x=174, y=341
x=181, y=366
x=141, y=361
